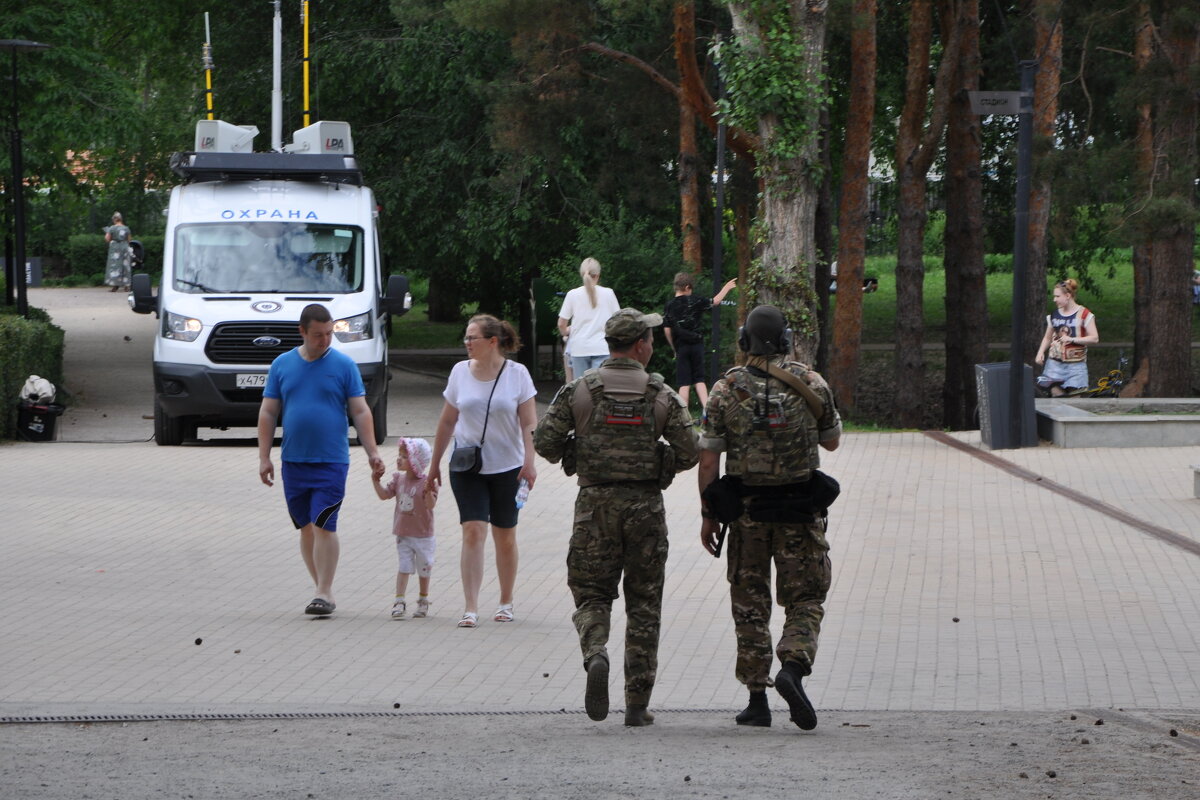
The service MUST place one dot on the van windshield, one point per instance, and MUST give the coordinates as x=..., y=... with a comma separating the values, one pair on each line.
x=266, y=257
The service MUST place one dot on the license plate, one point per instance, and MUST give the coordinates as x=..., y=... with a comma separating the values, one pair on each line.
x=251, y=380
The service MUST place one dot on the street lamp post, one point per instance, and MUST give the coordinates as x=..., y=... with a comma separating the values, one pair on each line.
x=16, y=270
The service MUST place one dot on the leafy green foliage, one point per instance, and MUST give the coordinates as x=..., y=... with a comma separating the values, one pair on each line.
x=30, y=346
x=766, y=76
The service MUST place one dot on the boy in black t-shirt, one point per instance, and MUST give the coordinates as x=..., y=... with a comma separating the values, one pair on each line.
x=684, y=326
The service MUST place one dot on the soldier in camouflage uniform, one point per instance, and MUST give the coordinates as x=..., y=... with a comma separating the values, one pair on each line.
x=619, y=416
x=770, y=433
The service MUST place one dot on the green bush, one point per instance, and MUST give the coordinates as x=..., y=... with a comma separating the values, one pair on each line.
x=935, y=234
x=32, y=346
x=153, y=247
x=86, y=254
x=996, y=263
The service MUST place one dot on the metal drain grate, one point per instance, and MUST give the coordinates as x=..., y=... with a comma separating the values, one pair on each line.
x=235, y=716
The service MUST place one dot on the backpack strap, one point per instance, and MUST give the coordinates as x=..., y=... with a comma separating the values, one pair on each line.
x=653, y=396
x=815, y=404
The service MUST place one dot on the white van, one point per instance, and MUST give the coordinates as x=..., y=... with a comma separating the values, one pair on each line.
x=251, y=239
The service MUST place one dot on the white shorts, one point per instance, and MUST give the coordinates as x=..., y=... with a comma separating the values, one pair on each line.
x=416, y=552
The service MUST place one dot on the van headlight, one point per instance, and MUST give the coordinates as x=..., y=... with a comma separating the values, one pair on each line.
x=184, y=329
x=353, y=329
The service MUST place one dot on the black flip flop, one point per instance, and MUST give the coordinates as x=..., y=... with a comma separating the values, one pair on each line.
x=320, y=608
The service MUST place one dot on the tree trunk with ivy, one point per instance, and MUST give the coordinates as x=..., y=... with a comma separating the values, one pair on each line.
x=774, y=80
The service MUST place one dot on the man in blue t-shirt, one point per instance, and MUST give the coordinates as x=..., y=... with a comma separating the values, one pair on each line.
x=312, y=387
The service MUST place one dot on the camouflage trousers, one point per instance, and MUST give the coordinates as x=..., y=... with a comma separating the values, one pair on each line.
x=620, y=529
x=803, y=573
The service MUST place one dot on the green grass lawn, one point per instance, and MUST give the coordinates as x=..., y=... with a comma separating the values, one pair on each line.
x=1111, y=302
x=414, y=331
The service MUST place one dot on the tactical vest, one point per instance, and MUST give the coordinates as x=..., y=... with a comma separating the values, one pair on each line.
x=619, y=440
x=771, y=437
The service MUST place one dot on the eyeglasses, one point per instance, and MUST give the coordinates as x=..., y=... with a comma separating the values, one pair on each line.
x=469, y=339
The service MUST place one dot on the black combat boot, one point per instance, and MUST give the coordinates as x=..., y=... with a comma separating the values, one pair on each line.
x=758, y=713
x=636, y=716
x=595, y=698
x=787, y=682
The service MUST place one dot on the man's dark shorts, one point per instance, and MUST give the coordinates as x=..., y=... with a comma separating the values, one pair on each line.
x=689, y=364
x=487, y=498
x=314, y=492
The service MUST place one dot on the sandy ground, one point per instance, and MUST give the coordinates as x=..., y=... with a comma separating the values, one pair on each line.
x=684, y=755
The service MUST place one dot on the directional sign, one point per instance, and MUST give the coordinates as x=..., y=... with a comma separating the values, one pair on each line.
x=995, y=102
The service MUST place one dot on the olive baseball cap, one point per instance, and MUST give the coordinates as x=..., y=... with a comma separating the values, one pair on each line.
x=629, y=324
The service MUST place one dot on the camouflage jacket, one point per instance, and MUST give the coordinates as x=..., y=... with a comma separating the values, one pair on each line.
x=765, y=427
x=629, y=448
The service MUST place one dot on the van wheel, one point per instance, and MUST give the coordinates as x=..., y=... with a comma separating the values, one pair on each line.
x=379, y=416
x=168, y=431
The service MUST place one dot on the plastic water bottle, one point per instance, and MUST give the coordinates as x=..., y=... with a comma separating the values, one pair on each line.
x=522, y=493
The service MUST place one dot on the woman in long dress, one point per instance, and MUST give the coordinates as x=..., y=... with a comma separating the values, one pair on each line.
x=120, y=255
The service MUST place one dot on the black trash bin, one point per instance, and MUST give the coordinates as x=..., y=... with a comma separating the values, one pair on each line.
x=991, y=384
x=37, y=422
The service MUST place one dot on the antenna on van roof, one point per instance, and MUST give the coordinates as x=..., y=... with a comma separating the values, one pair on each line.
x=277, y=84
x=207, y=62
x=305, y=18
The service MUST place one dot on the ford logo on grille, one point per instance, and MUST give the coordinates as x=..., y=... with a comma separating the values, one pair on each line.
x=266, y=306
x=267, y=341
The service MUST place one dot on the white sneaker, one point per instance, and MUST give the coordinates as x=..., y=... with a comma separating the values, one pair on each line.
x=398, y=610
x=422, y=609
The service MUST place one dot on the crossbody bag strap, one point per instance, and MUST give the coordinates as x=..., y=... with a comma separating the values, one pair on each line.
x=795, y=381
x=487, y=413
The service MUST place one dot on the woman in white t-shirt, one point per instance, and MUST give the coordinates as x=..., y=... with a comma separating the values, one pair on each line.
x=584, y=311
x=488, y=387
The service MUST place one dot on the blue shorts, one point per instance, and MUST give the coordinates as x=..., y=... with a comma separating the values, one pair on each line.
x=487, y=498
x=314, y=492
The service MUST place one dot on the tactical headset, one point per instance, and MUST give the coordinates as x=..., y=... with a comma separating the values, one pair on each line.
x=785, y=340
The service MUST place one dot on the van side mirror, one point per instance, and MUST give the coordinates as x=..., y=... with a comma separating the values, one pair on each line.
x=397, y=300
x=141, y=296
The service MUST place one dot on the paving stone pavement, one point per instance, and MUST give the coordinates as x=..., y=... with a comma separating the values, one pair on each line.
x=153, y=580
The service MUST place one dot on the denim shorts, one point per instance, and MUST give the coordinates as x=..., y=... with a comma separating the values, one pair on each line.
x=487, y=498
x=1073, y=375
